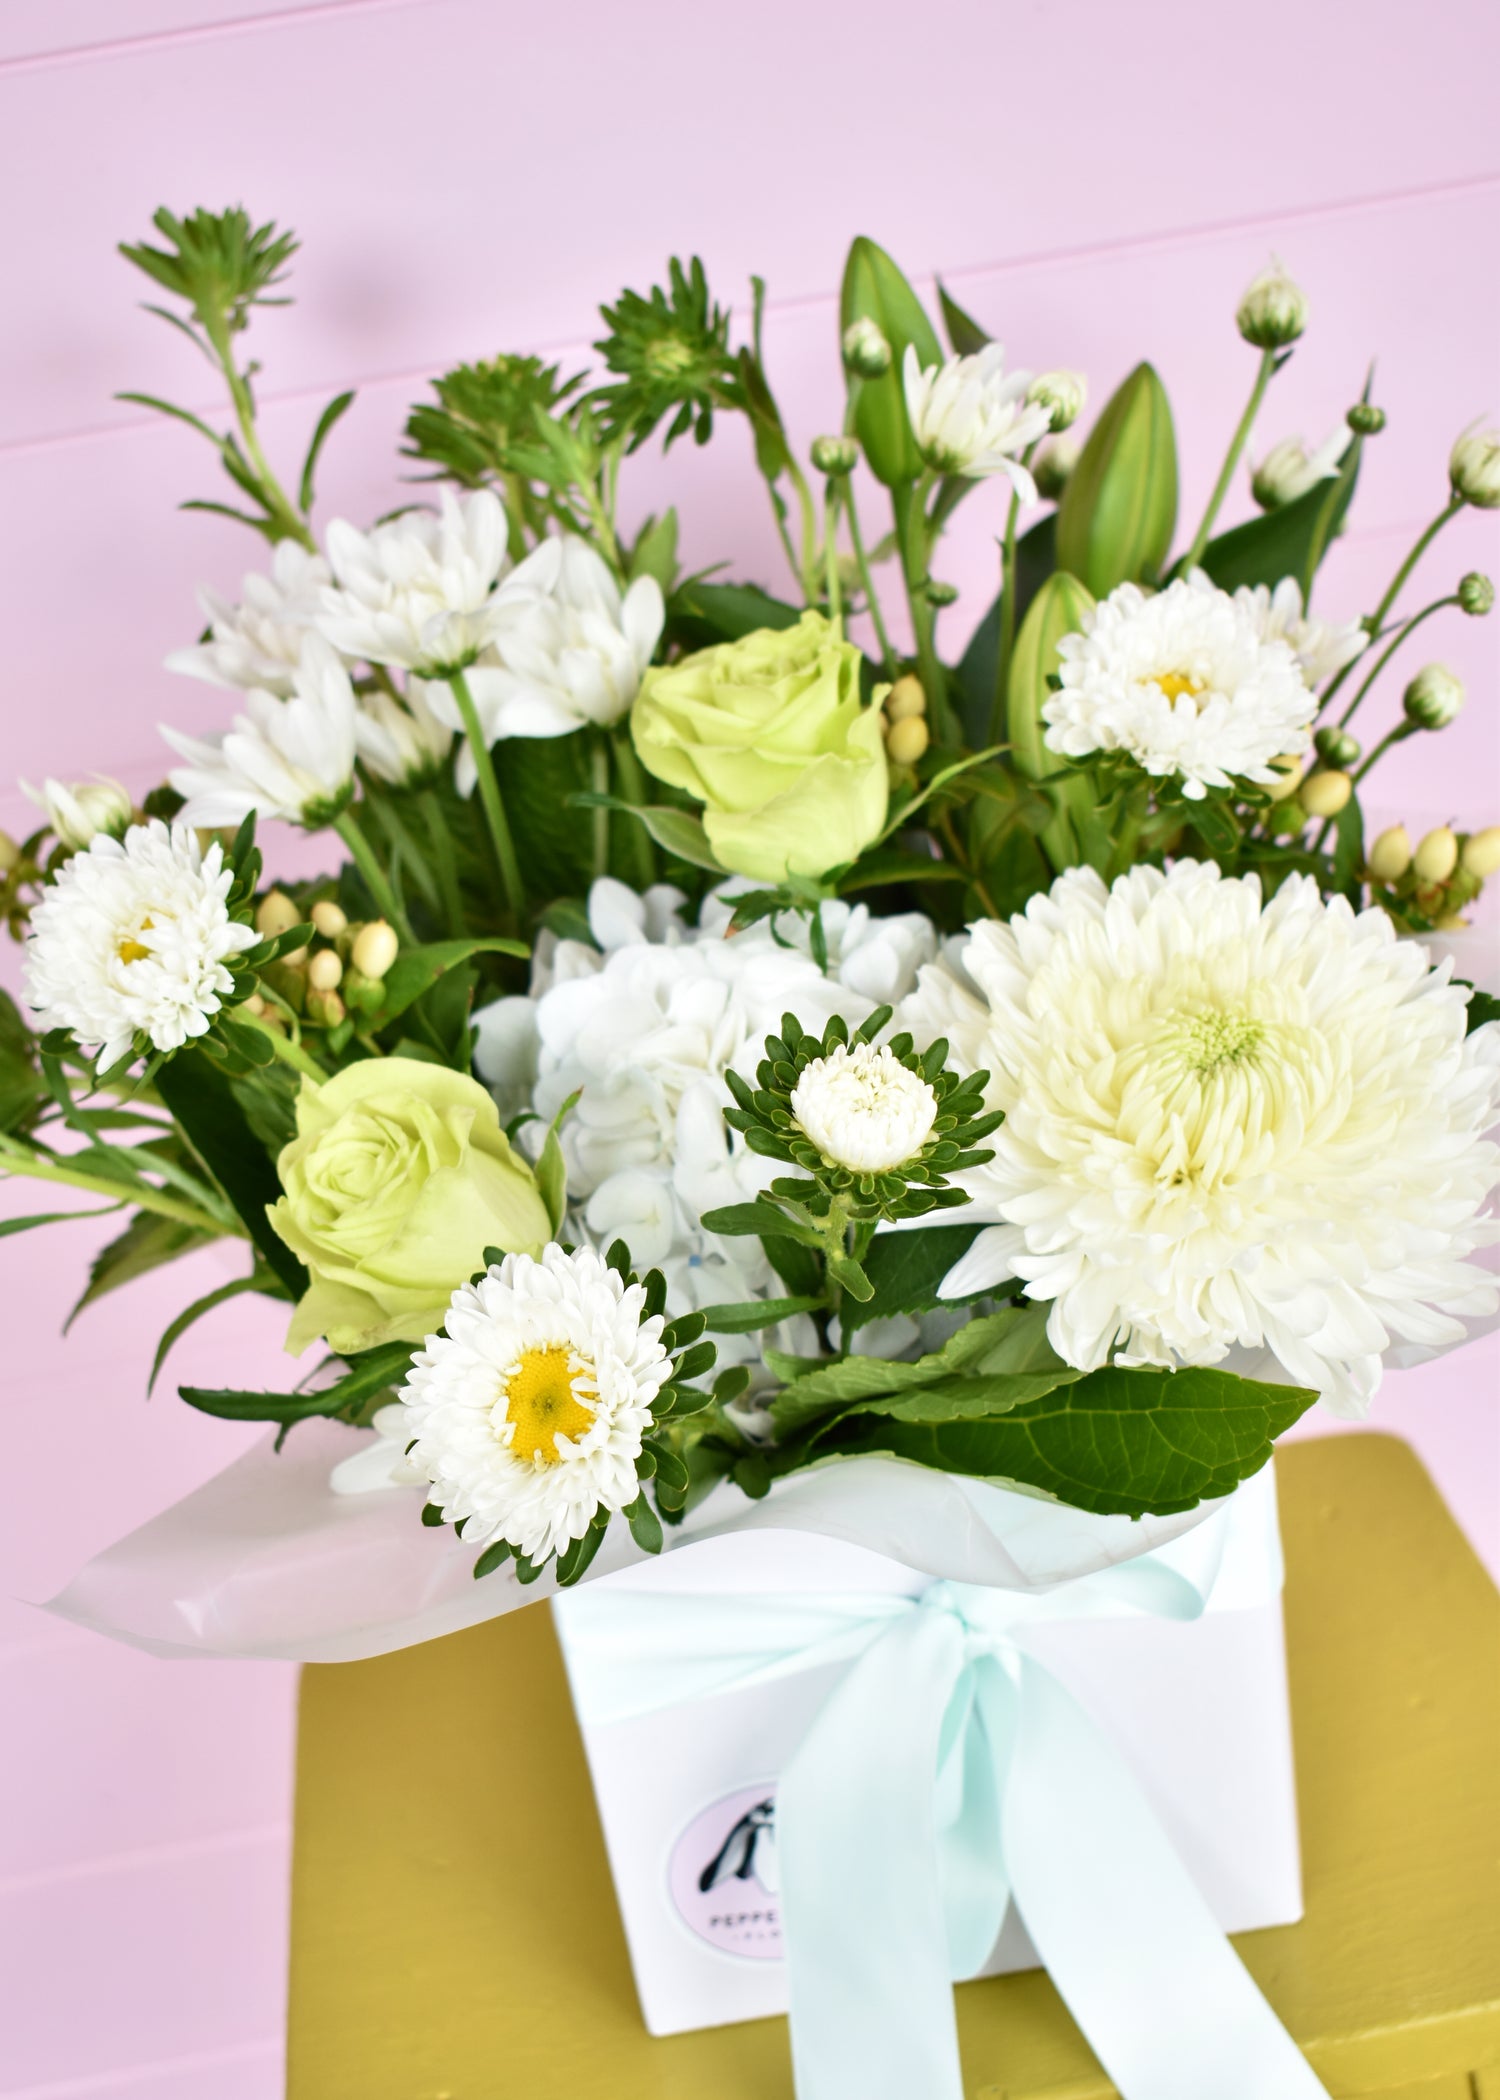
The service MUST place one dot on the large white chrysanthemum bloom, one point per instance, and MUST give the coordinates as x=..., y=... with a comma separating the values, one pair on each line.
x=968, y=417
x=643, y=1026
x=258, y=643
x=528, y=1415
x=283, y=758
x=1321, y=648
x=401, y=742
x=574, y=652
x=1226, y=1125
x=419, y=590
x=1184, y=682
x=134, y=937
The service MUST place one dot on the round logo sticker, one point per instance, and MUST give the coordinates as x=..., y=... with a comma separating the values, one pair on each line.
x=723, y=1875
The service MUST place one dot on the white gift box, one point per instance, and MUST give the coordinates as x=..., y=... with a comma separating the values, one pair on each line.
x=1196, y=1709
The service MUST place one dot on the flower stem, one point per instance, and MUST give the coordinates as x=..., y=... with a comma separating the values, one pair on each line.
x=279, y=506
x=489, y=796
x=909, y=504
x=1386, y=654
x=1424, y=540
x=290, y=1052
x=16, y=1158
x=599, y=781
x=867, y=581
x=633, y=790
x=808, y=565
x=1237, y=444
x=443, y=863
x=375, y=880
x=1398, y=735
x=831, y=552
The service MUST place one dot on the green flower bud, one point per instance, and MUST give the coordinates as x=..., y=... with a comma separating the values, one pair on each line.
x=875, y=292
x=81, y=812
x=1474, y=468
x=1336, y=747
x=940, y=593
x=1476, y=594
x=1052, y=467
x=1062, y=393
x=835, y=455
x=1324, y=794
x=1434, y=697
x=1273, y=311
x=866, y=351
x=769, y=733
x=1365, y=419
x=398, y=1179
x=1119, y=509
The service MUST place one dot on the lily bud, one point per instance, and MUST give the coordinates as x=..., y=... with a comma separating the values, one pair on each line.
x=329, y=918
x=1053, y=465
x=866, y=351
x=1119, y=510
x=1436, y=856
x=1336, y=747
x=835, y=455
x=1324, y=794
x=1062, y=394
x=324, y=971
x=375, y=948
x=10, y=853
x=1434, y=697
x=907, y=741
x=1476, y=594
x=1365, y=419
x=1390, y=856
x=276, y=914
x=1480, y=853
x=1474, y=468
x=79, y=813
x=1273, y=311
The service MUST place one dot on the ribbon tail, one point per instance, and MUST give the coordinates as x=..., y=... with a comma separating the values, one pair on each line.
x=1167, y=2005
x=861, y=1898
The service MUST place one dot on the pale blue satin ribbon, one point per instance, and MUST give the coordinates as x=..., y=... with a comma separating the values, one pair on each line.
x=948, y=1773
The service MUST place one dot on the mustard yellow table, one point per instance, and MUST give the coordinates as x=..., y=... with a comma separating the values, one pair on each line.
x=455, y=1934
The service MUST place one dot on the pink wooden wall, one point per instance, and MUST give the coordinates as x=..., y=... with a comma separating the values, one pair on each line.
x=1095, y=181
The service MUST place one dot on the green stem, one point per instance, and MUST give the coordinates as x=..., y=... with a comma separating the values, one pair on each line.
x=909, y=505
x=632, y=782
x=1231, y=460
x=489, y=796
x=808, y=566
x=20, y=1160
x=599, y=781
x=867, y=581
x=1386, y=654
x=362, y=853
x=444, y=865
x=1000, y=719
x=1424, y=540
x=831, y=552
x=278, y=504
x=290, y=1052
x=1398, y=735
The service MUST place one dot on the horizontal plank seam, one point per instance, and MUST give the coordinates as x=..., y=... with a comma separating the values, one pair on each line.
x=184, y=1850
x=153, y=40
x=811, y=302
x=98, y=2084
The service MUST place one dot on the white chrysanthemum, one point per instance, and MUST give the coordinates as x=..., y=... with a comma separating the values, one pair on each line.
x=646, y=1024
x=863, y=1108
x=1225, y=1125
x=529, y=1414
x=1319, y=647
x=402, y=742
x=969, y=418
x=1289, y=470
x=1183, y=682
x=135, y=937
x=419, y=590
x=78, y=813
x=283, y=758
x=257, y=644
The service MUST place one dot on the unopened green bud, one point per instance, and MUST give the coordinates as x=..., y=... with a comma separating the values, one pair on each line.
x=1365, y=419
x=1119, y=510
x=1053, y=465
x=1273, y=311
x=324, y=1009
x=1474, y=468
x=1336, y=747
x=1062, y=394
x=835, y=455
x=363, y=994
x=866, y=351
x=1434, y=697
x=939, y=593
x=1476, y=594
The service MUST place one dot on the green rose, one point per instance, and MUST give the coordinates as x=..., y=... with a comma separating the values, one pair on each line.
x=769, y=734
x=398, y=1179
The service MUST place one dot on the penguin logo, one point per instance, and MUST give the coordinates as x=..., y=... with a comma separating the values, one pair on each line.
x=748, y=1853
x=722, y=1877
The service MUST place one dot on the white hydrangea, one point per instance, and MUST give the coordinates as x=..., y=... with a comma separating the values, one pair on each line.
x=257, y=644
x=134, y=937
x=645, y=1025
x=1227, y=1125
x=1185, y=682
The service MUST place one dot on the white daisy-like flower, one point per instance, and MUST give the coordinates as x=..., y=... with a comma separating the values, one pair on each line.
x=1184, y=682
x=135, y=937
x=78, y=813
x=1227, y=1124
x=283, y=758
x=420, y=590
x=257, y=644
x=1289, y=470
x=528, y=1415
x=968, y=417
x=1320, y=647
x=863, y=1108
x=401, y=742
x=574, y=653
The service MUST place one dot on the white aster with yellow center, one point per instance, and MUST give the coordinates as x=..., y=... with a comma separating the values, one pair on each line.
x=1185, y=681
x=528, y=1415
x=135, y=938
x=863, y=1108
x=1226, y=1125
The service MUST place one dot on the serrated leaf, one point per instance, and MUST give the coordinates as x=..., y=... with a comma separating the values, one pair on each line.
x=978, y=1343
x=417, y=970
x=257, y=1280
x=147, y=1242
x=905, y=1269
x=369, y=1373
x=752, y=1314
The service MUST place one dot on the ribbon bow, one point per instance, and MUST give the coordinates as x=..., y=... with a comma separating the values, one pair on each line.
x=947, y=1774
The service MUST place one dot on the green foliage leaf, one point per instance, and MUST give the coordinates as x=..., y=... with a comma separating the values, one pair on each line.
x=964, y=332
x=54, y=1217
x=754, y=1313
x=369, y=1373
x=645, y=1525
x=22, y=1087
x=905, y=1269
x=676, y=831
x=979, y=670
x=1484, y=1007
x=258, y=1280
x=538, y=776
x=495, y=1555
x=336, y=408
x=994, y=1343
x=147, y=1242
x=416, y=970
x=210, y=1115
x=699, y=615
x=875, y=289
x=1289, y=541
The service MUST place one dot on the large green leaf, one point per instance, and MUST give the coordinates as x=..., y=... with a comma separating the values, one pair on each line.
x=966, y=1399
x=148, y=1241
x=537, y=775
x=369, y=1373
x=875, y=289
x=212, y=1119
x=986, y=1344
x=22, y=1087
x=1118, y=1442
x=417, y=970
x=1290, y=541
x=906, y=1269
x=699, y=615
x=1036, y=558
x=1119, y=509
x=964, y=332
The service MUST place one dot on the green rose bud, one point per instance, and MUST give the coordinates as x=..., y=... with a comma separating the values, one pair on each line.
x=770, y=735
x=398, y=1179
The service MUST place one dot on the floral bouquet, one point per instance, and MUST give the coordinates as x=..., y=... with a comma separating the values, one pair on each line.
x=745, y=1048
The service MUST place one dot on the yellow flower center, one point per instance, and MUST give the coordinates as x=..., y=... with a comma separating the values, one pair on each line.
x=542, y=1403
x=1216, y=1037
x=132, y=950
x=1173, y=684
x=669, y=358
